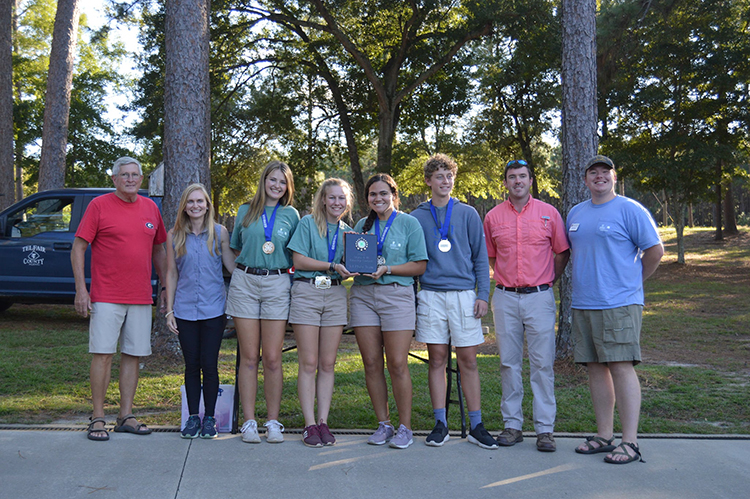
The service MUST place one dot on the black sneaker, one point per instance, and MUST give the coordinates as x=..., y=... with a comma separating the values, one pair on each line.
x=192, y=427
x=209, y=428
x=438, y=436
x=482, y=437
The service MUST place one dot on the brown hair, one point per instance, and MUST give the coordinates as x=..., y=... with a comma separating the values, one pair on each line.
x=380, y=177
x=437, y=161
x=258, y=203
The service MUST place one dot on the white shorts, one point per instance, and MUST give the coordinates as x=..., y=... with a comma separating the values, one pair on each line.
x=444, y=316
x=131, y=324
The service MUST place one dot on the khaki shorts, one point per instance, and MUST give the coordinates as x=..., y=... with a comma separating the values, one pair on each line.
x=444, y=316
x=612, y=335
x=130, y=324
x=389, y=306
x=259, y=296
x=317, y=307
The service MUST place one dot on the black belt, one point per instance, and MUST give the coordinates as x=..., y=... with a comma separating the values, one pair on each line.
x=254, y=271
x=334, y=282
x=543, y=287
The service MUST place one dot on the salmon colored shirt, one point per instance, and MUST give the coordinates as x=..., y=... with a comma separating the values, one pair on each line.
x=524, y=244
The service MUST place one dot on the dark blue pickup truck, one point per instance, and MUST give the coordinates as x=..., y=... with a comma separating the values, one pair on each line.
x=36, y=236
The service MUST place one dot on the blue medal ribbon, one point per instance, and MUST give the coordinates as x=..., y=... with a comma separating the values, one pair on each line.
x=445, y=228
x=268, y=226
x=388, y=224
x=332, y=245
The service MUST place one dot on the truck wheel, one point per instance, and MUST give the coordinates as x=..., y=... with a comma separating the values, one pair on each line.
x=5, y=305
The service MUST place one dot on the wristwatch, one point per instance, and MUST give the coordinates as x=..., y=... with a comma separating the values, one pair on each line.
x=388, y=269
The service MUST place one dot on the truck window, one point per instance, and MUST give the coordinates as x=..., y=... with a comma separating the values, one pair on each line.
x=46, y=215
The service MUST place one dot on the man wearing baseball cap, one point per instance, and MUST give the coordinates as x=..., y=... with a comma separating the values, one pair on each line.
x=614, y=248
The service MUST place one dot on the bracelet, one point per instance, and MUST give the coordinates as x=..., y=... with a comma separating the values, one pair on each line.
x=168, y=313
x=331, y=268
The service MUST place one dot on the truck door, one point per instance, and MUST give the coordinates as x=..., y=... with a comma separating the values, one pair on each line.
x=35, y=249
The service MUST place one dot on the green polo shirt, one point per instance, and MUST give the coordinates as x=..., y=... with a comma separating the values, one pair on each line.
x=403, y=243
x=308, y=242
x=249, y=240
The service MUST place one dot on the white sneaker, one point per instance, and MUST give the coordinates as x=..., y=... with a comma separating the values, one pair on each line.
x=250, y=432
x=273, y=432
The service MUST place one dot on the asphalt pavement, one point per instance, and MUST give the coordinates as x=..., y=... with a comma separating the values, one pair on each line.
x=60, y=462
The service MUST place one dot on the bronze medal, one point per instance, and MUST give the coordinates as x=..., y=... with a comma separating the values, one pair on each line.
x=268, y=247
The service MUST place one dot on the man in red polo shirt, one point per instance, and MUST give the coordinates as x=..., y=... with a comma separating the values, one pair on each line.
x=126, y=234
x=528, y=250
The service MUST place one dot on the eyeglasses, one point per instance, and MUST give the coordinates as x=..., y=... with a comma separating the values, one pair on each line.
x=516, y=162
x=128, y=176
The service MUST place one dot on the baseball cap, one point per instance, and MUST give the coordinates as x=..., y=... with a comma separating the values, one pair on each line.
x=600, y=160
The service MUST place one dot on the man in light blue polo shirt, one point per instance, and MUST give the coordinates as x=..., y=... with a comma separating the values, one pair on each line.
x=615, y=247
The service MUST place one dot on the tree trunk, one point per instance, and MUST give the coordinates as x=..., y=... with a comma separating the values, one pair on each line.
x=579, y=121
x=388, y=117
x=678, y=215
x=348, y=129
x=529, y=157
x=18, y=147
x=691, y=222
x=730, y=219
x=57, y=98
x=187, y=117
x=718, y=209
x=6, y=104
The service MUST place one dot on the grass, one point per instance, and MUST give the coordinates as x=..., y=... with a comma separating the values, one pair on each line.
x=696, y=347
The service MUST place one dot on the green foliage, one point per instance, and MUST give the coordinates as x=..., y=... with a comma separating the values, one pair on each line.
x=675, y=92
x=519, y=87
x=93, y=141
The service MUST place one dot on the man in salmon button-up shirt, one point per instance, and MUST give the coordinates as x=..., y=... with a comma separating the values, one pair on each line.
x=528, y=250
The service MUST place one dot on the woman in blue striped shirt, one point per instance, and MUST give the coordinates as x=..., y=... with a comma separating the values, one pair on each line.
x=196, y=249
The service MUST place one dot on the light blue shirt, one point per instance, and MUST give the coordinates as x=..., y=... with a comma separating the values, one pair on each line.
x=200, y=292
x=607, y=242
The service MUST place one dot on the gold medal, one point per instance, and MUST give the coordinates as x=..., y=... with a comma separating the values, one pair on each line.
x=268, y=247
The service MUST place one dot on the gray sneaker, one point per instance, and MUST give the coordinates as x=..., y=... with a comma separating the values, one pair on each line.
x=382, y=435
x=274, y=431
x=510, y=436
x=250, y=432
x=403, y=439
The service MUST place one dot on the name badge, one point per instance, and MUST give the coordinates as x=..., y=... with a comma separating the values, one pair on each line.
x=573, y=227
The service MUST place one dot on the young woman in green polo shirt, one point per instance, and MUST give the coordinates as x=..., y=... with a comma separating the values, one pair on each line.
x=382, y=307
x=258, y=298
x=318, y=309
